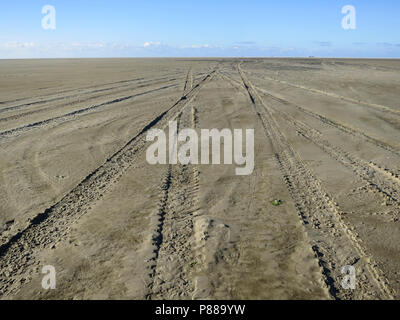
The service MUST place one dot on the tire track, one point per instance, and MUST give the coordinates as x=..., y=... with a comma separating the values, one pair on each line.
x=378, y=179
x=191, y=78
x=374, y=106
x=173, y=241
x=334, y=243
x=33, y=103
x=189, y=81
x=68, y=90
x=334, y=124
x=73, y=115
x=381, y=181
x=19, y=251
x=85, y=99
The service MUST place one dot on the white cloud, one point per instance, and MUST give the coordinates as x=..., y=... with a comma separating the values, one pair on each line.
x=197, y=46
x=151, y=43
x=17, y=44
x=200, y=46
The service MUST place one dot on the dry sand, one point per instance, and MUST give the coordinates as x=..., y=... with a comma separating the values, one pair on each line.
x=76, y=191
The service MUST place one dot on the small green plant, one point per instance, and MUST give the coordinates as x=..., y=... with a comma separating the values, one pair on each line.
x=193, y=264
x=276, y=202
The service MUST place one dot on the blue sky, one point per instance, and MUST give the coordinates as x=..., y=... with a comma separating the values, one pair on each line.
x=148, y=28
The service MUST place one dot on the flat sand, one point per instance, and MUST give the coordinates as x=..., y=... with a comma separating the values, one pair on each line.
x=77, y=193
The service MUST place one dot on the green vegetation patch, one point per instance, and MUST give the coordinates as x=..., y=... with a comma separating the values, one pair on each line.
x=276, y=202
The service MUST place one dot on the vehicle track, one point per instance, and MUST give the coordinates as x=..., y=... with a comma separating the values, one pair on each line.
x=19, y=248
x=374, y=106
x=67, y=91
x=188, y=81
x=340, y=126
x=334, y=243
x=383, y=182
x=84, y=99
x=379, y=179
x=76, y=91
x=73, y=115
x=173, y=241
x=174, y=257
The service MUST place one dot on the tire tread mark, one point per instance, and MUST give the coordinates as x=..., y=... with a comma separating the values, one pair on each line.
x=18, y=251
x=319, y=211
